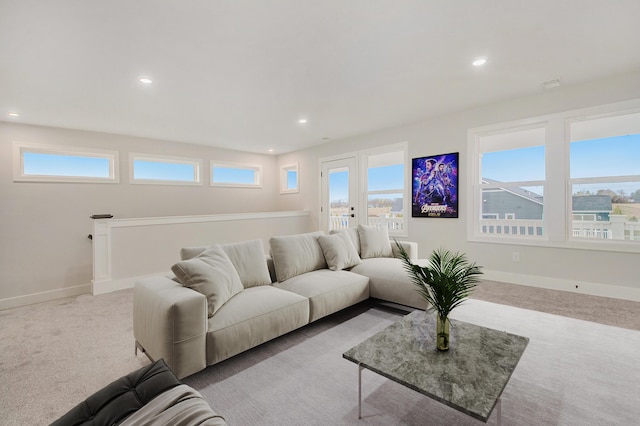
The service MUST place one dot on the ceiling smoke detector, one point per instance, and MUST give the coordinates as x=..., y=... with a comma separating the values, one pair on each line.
x=550, y=84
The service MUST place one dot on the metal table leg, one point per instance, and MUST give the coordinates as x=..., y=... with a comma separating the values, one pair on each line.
x=360, y=368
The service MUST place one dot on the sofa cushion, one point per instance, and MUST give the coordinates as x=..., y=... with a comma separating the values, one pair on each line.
x=123, y=397
x=256, y=315
x=389, y=281
x=248, y=258
x=328, y=291
x=296, y=254
x=374, y=242
x=352, y=233
x=338, y=251
x=212, y=274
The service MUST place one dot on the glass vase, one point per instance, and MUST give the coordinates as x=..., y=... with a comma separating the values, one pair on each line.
x=442, y=333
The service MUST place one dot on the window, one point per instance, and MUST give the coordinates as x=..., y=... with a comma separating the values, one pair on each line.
x=156, y=169
x=605, y=177
x=385, y=189
x=570, y=179
x=289, y=179
x=511, y=183
x=236, y=175
x=44, y=163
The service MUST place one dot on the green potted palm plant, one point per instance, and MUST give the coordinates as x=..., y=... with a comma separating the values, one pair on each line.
x=444, y=283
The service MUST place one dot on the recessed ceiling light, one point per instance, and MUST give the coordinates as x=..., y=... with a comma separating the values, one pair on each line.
x=302, y=121
x=145, y=80
x=271, y=150
x=478, y=62
x=13, y=114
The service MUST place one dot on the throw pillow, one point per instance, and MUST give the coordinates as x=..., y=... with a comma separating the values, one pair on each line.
x=296, y=254
x=338, y=251
x=353, y=235
x=248, y=258
x=374, y=242
x=212, y=274
x=250, y=261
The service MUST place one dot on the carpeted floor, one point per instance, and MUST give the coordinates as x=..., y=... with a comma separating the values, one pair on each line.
x=55, y=354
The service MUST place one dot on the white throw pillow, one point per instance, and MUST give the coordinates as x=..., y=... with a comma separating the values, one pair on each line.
x=212, y=274
x=296, y=254
x=352, y=233
x=338, y=251
x=374, y=242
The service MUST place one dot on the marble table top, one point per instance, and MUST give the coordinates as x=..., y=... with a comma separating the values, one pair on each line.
x=469, y=377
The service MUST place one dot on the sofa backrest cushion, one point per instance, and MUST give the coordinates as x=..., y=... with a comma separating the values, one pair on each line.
x=250, y=261
x=212, y=274
x=296, y=254
x=338, y=251
x=374, y=242
x=247, y=257
x=352, y=233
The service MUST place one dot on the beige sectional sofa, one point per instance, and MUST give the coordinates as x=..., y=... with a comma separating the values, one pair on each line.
x=227, y=298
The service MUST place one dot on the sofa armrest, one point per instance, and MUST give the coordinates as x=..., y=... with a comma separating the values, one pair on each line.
x=170, y=322
x=409, y=246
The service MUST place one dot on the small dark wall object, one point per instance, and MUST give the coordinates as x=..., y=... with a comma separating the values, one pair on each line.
x=101, y=216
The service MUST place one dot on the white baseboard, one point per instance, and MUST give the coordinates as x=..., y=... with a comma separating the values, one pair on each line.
x=574, y=286
x=108, y=286
x=45, y=296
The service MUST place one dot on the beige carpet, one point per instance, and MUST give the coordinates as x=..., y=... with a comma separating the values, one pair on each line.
x=55, y=354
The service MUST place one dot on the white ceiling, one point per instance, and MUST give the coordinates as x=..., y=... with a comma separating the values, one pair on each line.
x=240, y=73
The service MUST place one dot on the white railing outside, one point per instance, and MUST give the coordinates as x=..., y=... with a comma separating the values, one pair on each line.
x=391, y=223
x=618, y=228
x=512, y=227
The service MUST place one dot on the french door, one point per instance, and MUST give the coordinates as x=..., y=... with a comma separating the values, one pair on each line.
x=339, y=194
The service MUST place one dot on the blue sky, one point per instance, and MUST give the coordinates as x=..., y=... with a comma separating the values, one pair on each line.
x=615, y=156
x=65, y=165
x=380, y=178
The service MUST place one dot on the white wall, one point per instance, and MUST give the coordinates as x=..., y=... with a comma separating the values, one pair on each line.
x=595, y=272
x=44, y=249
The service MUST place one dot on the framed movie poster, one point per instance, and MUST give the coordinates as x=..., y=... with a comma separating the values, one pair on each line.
x=435, y=186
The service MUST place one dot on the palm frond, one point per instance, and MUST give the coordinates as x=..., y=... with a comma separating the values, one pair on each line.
x=447, y=280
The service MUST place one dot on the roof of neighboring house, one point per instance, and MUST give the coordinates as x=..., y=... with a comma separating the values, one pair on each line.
x=397, y=205
x=520, y=192
x=591, y=203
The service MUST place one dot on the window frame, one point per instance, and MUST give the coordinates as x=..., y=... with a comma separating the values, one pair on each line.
x=19, y=148
x=196, y=163
x=257, y=169
x=557, y=190
x=364, y=155
x=478, y=186
x=284, y=178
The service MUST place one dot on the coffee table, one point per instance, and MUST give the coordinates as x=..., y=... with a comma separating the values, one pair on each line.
x=469, y=377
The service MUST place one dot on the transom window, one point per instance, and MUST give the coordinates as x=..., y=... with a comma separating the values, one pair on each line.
x=44, y=163
x=236, y=175
x=156, y=169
